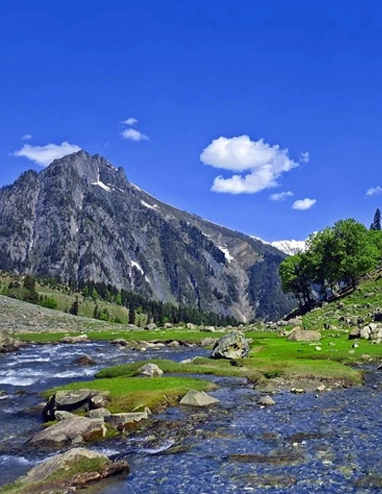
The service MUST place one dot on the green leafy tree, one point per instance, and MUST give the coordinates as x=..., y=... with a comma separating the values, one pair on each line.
x=296, y=277
x=357, y=253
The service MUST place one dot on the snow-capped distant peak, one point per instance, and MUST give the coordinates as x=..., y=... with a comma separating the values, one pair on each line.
x=290, y=247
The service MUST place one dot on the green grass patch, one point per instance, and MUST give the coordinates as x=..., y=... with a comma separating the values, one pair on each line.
x=127, y=393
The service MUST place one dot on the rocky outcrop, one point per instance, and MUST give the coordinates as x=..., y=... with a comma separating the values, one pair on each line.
x=80, y=400
x=67, y=432
x=232, y=346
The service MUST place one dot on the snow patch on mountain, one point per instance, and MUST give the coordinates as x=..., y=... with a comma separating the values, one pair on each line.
x=290, y=247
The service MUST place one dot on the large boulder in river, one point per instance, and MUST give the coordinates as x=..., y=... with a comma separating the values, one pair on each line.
x=198, y=399
x=79, y=400
x=298, y=334
x=84, y=360
x=70, y=431
x=64, y=471
x=232, y=346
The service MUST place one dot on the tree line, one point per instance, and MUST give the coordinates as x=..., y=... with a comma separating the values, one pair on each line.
x=335, y=259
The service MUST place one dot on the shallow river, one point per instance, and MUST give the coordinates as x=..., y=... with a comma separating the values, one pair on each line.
x=309, y=443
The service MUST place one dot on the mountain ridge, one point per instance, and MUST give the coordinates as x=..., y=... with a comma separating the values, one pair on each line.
x=80, y=219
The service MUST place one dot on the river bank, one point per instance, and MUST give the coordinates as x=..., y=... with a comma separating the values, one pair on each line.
x=311, y=442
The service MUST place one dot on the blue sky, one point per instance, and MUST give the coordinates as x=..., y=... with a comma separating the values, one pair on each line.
x=284, y=96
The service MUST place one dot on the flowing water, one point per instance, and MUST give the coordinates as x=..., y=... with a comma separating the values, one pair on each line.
x=309, y=443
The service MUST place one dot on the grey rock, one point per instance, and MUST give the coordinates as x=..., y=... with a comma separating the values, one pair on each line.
x=298, y=334
x=74, y=400
x=98, y=413
x=57, y=467
x=62, y=415
x=208, y=342
x=75, y=339
x=151, y=326
x=150, y=370
x=84, y=360
x=46, y=469
x=119, y=420
x=70, y=431
x=266, y=401
x=198, y=399
x=233, y=345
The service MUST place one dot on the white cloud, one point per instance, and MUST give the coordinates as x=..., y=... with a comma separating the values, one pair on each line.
x=134, y=135
x=44, y=155
x=373, y=191
x=26, y=137
x=303, y=204
x=263, y=162
x=130, y=121
x=281, y=196
x=305, y=157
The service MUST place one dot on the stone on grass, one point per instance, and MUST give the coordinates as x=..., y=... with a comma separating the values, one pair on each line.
x=151, y=326
x=75, y=339
x=299, y=334
x=198, y=399
x=208, y=342
x=232, y=346
x=150, y=370
x=354, y=334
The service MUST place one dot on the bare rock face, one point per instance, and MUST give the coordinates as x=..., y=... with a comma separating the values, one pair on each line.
x=80, y=219
x=70, y=431
x=233, y=345
x=299, y=334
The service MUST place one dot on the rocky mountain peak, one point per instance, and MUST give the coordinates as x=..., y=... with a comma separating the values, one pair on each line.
x=81, y=220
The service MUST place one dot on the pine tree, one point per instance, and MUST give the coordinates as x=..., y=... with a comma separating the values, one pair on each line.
x=376, y=225
x=74, y=308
